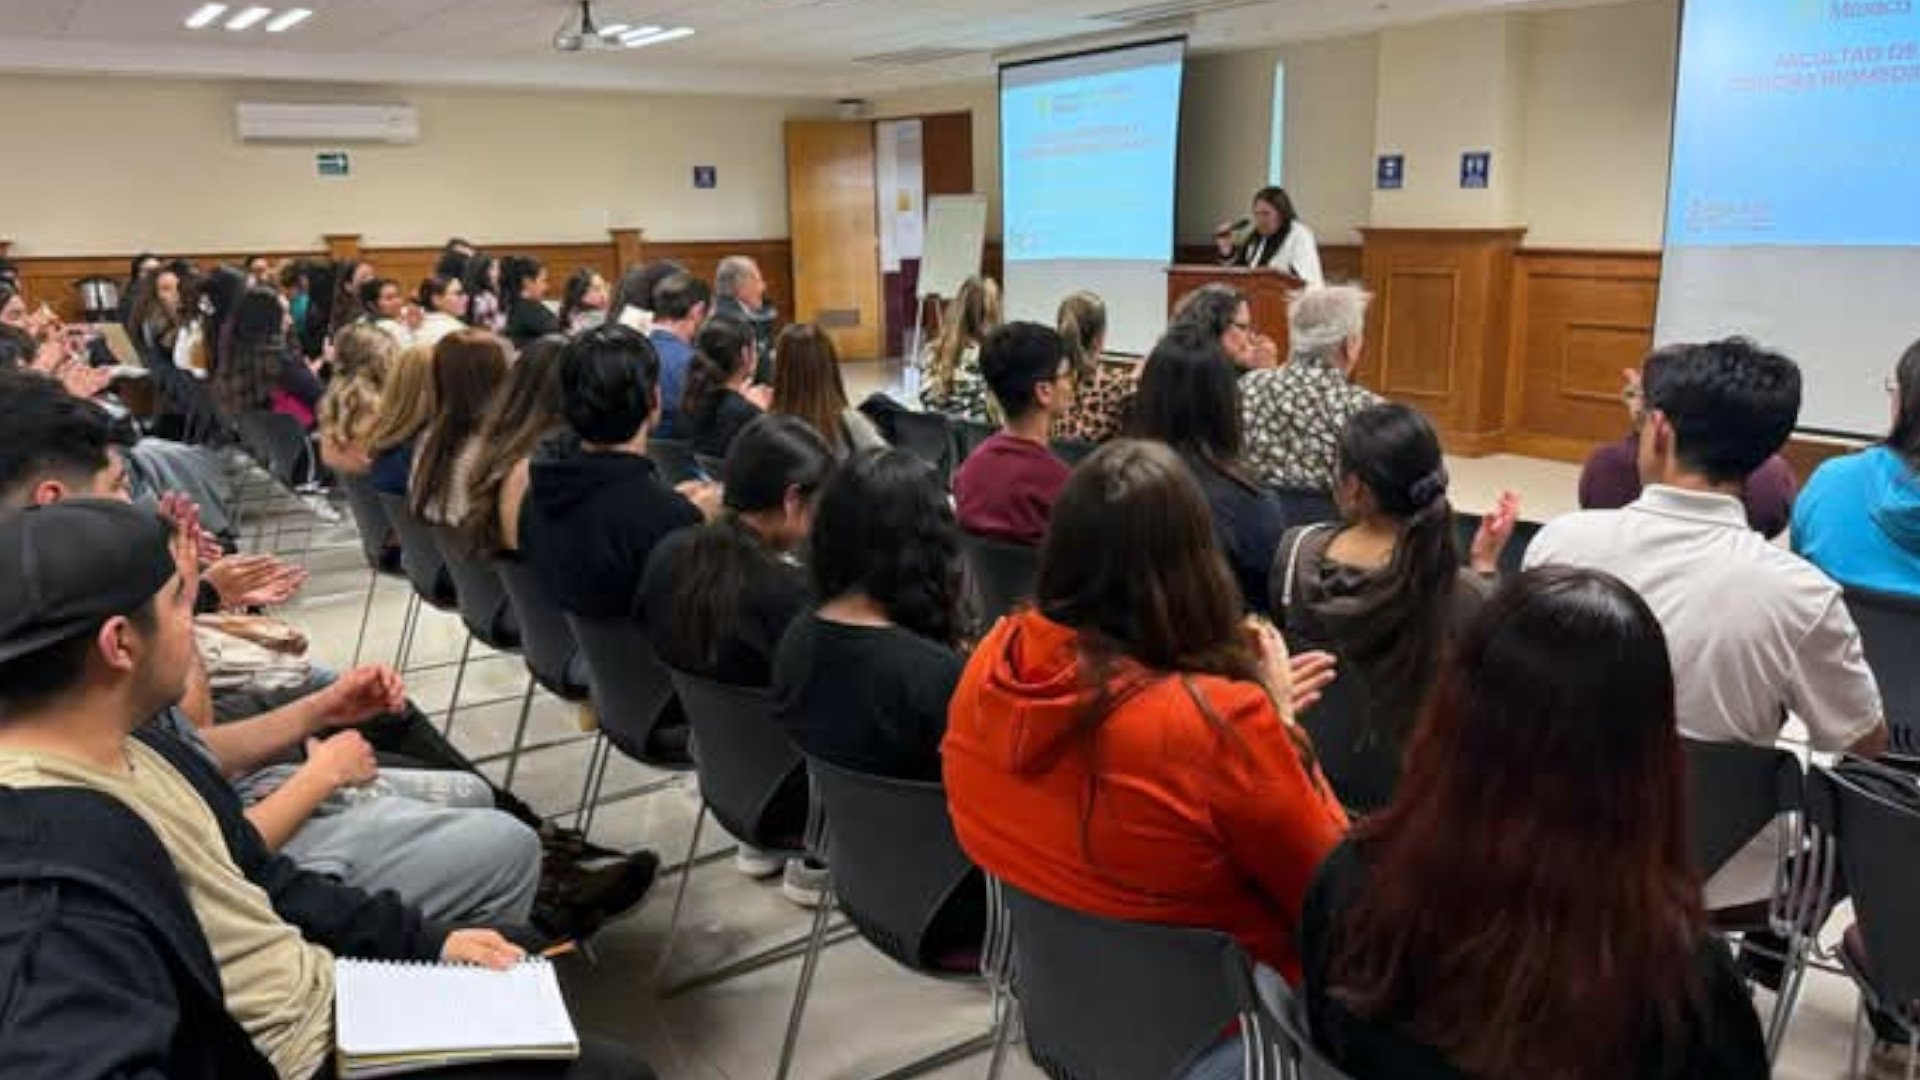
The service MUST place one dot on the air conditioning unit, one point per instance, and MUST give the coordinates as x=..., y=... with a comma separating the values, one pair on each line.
x=265, y=122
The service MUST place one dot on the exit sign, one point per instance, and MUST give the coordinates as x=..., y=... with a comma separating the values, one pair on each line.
x=332, y=163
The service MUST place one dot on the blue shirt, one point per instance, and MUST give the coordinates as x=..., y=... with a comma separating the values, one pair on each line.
x=392, y=470
x=1858, y=519
x=675, y=357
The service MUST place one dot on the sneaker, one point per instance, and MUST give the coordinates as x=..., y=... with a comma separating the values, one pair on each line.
x=1888, y=1061
x=576, y=906
x=805, y=883
x=756, y=862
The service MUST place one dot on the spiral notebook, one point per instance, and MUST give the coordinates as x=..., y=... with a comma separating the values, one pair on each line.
x=394, y=1018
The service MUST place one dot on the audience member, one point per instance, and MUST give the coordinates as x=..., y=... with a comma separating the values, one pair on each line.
x=1190, y=401
x=258, y=368
x=1126, y=747
x=525, y=414
x=482, y=281
x=443, y=301
x=632, y=304
x=1006, y=487
x=1527, y=906
x=596, y=506
x=1754, y=630
x=387, y=308
x=154, y=314
x=884, y=557
x=807, y=384
x=81, y=668
x=349, y=277
x=719, y=396
x=523, y=291
x=137, y=269
x=1102, y=389
x=406, y=407
x=1383, y=589
x=740, y=292
x=1295, y=414
x=718, y=599
x=363, y=359
x=209, y=307
x=468, y=368
x=1221, y=312
x=1610, y=479
x=679, y=309
x=455, y=256
x=583, y=304
x=1859, y=517
x=950, y=378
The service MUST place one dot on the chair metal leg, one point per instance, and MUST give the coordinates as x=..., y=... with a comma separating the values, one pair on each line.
x=680, y=897
x=1791, y=978
x=599, y=781
x=1004, y=1017
x=586, y=786
x=366, y=614
x=403, y=649
x=804, y=985
x=519, y=732
x=1853, y=1044
x=459, y=678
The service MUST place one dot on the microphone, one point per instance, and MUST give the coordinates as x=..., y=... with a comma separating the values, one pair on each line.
x=1237, y=225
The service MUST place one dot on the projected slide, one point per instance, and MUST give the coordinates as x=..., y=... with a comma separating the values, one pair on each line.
x=1089, y=163
x=1790, y=212
x=1797, y=123
x=1088, y=147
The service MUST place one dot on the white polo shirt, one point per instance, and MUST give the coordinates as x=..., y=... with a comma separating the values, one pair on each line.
x=1754, y=632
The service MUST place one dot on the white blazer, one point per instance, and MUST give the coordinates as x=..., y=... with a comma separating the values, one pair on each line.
x=1297, y=254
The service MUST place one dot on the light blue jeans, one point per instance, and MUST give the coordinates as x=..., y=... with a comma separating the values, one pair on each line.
x=1226, y=1061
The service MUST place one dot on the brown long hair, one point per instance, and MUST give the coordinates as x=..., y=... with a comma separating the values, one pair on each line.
x=1082, y=323
x=974, y=311
x=807, y=383
x=525, y=412
x=468, y=367
x=1904, y=439
x=1531, y=909
x=406, y=402
x=363, y=359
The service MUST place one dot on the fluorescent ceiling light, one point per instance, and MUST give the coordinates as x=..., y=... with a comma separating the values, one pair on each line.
x=638, y=41
x=248, y=17
x=204, y=15
x=615, y=30
x=287, y=20
x=638, y=32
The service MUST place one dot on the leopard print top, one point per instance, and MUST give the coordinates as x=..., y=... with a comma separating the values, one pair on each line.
x=1101, y=400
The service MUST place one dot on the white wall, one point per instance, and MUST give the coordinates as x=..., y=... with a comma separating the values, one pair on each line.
x=982, y=99
x=116, y=164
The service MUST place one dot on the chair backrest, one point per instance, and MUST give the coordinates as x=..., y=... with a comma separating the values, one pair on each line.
x=711, y=467
x=1307, y=506
x=1466, y=524
x=1733, y=791
x=631, y=687
x=1111, y=1000
x=1874, y=833
x=740, y=752
x=675, y=458
x=1001, y=573
x=1362, y=766
x=278, y=443
x=1890, y=632
x=1074, y=451
x=369, y=517
x=484, y=604
x=546, y=640
x=420, y=557
x=927, y=436
x=1303, y=1059
x=893, y=855
x=967, y=437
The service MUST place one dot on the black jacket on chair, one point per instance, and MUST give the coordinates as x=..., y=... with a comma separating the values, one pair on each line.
x=104, y=971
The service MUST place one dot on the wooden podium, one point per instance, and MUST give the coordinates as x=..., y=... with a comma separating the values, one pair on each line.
x=1266, y=292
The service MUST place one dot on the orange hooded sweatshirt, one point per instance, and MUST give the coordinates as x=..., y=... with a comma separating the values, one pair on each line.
x=1190, y=825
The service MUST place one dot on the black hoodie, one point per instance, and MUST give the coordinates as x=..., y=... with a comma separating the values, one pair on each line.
x=591, y=521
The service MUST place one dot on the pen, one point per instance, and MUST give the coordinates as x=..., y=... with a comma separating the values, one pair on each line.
x=561, y=949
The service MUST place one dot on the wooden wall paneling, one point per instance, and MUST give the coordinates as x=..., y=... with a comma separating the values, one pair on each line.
x=1437, y=330
x=1579, y=319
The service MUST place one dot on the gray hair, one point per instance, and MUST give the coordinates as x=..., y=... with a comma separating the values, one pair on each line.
x=1323, y=318
x=726, y=280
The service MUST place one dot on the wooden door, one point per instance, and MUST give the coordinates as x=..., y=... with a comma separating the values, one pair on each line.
x=832, y=213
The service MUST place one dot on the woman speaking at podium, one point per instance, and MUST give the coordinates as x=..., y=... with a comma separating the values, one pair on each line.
x=1279, y=240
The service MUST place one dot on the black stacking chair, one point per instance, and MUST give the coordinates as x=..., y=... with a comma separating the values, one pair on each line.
x=1002, y=574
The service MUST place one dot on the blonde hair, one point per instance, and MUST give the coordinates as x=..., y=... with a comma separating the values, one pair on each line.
x=408, y=403
x=362, y=363
x=1082, y=323
x=974, y=311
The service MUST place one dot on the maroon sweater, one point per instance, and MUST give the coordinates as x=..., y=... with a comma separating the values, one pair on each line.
x=1611, y=480
x=1006, y=487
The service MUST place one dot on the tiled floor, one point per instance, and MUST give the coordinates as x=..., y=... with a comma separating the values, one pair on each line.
x=866, y=1016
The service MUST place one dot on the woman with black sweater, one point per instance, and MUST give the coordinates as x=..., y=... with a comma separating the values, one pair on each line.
x=719, y=399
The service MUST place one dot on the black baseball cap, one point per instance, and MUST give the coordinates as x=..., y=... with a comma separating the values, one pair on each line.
x=67, y=567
